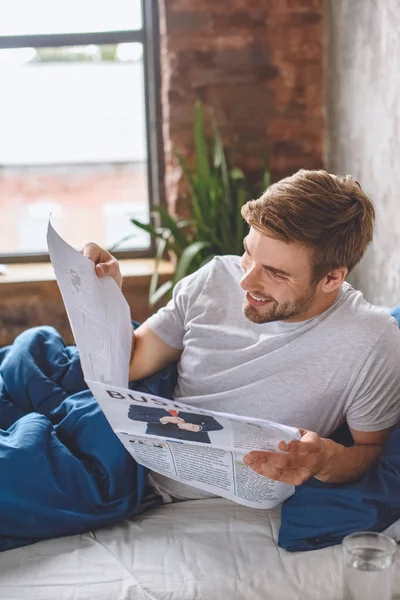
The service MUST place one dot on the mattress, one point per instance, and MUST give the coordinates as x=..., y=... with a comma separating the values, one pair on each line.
x=198, y=550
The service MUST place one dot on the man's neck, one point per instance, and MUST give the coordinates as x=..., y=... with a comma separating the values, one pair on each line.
x=319, y=306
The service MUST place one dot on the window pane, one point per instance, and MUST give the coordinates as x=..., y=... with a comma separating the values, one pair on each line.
x=30, y=17
x=73, y=143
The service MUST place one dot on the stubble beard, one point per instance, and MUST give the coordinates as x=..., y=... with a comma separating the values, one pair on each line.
x=280, y=312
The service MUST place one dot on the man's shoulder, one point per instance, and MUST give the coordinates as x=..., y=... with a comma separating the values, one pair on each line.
x=214, y=277
x=359, y=318
x=228, y=262
x=226, y=266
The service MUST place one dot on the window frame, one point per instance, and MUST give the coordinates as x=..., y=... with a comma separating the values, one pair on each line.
x=149, y=36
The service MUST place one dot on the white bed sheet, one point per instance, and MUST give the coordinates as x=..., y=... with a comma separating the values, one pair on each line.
x=198, y=550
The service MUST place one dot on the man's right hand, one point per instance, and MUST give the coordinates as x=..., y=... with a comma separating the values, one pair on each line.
x=105, y=263
x=149, y=353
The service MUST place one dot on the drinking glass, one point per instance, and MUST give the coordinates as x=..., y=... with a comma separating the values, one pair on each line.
x=367, y=566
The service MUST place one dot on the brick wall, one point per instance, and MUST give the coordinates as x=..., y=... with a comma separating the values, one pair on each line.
x=259, y=64
x=30, y=304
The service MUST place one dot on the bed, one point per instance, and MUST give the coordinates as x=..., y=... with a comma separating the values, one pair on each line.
x=199, y=550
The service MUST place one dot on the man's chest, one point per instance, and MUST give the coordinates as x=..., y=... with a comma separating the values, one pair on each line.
x=289, y=381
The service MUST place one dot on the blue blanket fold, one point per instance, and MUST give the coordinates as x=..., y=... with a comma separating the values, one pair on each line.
x=321, y=514
x=62, y=469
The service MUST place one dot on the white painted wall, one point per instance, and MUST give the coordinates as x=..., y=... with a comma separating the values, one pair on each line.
x=363, y=110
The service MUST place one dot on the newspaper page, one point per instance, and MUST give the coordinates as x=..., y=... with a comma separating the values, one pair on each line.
x=198, y=447
x=98, y=313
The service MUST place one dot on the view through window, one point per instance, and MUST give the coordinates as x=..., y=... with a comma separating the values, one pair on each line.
x=72, y=123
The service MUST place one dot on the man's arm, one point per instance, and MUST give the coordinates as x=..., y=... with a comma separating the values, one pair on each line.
x=348, y=464
x=321, y=458
x=149, y=353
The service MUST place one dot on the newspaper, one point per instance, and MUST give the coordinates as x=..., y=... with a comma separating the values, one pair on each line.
x=198, y=447
x=98, y=313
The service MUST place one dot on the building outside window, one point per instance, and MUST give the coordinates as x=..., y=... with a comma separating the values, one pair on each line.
x=78, y=88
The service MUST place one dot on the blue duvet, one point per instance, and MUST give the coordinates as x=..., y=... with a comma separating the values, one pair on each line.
x=62, y=469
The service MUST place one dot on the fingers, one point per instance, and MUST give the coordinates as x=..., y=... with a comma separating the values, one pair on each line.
x=310, y=443
x=105, y=264
x=292, y=476
x=109, y=269
x=298, y=461
x=275, y=460
x=92, y=251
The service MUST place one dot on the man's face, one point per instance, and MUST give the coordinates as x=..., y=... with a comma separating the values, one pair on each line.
x=277, y=280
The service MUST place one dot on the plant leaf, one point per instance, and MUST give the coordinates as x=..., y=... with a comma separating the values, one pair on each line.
x=223, y=167
x=161, y=247
x=236, y=173
x=149, y=227
x=195, y=206
x=188, y=255
x=202, y=158
x=171, y=222
x=117, y=244
x=158, y=232
x=240, y=225
x=161, y=292
x=185, y=223
x=266, y=179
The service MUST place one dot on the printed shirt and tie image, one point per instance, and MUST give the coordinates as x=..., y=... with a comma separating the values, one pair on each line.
x=185, y=426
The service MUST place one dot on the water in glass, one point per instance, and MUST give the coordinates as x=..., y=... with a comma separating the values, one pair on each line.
x=368, y=575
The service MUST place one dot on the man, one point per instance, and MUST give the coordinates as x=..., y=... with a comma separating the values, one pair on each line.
x=280, y=335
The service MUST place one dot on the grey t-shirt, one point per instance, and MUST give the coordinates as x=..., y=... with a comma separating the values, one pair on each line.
x=315, y=374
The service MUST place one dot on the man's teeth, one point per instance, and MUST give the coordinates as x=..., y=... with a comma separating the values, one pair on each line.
x=255, y=298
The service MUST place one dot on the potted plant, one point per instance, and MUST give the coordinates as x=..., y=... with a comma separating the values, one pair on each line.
x=214, y=225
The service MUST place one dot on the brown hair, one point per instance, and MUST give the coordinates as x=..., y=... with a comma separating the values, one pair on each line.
x=328, y=213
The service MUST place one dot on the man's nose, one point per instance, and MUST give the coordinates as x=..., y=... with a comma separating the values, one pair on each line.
x=250, y=278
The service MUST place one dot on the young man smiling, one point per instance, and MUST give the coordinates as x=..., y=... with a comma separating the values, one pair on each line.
x=278, y=333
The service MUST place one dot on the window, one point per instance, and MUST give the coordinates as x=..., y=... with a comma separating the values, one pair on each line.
x=78, y=90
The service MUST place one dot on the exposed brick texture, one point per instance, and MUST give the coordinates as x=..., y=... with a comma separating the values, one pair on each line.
x=24, y=305
x=259, y=65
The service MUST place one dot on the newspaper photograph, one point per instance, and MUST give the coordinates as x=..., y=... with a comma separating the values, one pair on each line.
x=197, y=447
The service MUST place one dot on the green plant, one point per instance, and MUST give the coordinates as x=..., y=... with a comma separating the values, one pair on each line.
x=215, y=225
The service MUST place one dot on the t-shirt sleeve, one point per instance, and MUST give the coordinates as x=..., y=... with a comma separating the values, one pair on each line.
x=170, y=322
x=376, y=404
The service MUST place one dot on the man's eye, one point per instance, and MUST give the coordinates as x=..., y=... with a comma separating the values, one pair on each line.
x=277, y=276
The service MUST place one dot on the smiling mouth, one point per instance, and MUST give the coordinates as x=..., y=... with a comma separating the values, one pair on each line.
x=256, y=301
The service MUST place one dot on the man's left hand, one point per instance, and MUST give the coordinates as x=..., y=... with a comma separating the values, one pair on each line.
x=298, y=461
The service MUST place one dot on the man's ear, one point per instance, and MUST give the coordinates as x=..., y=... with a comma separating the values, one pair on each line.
x=334, y=279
